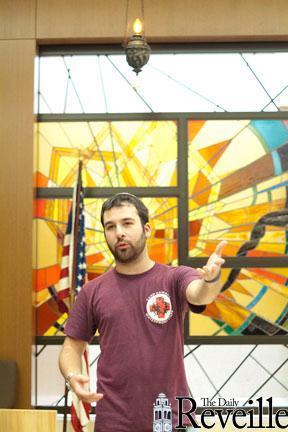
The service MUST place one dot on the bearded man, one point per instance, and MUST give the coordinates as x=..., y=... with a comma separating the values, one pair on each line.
x=139, y=308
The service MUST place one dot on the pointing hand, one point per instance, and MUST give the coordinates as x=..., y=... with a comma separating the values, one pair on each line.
x=214, y=263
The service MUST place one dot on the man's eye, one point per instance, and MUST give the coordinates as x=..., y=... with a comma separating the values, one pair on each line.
x=128, y=223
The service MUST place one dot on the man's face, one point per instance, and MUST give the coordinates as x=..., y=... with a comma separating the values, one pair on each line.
x=124, y=233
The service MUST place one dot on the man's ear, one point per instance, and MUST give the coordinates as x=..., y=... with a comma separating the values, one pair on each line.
x=147, y=230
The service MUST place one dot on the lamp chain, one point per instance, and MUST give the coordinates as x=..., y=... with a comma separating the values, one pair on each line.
x=126, y=25
x=142, y=11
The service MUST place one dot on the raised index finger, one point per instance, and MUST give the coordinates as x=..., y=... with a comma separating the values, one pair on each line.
x=220, y=247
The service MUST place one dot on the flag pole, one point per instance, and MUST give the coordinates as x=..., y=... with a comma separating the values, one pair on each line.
x=75, y=226
x=79, y=410
x=65, y=409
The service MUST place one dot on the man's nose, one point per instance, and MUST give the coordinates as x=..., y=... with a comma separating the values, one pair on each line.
x=120, y=232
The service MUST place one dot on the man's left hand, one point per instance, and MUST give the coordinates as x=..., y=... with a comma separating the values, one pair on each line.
x=214, y=263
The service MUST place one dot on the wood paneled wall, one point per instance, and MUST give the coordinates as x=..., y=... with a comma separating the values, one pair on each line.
x=24, y=24
x=16, y=139
x=17, y=53
x=165, y=20
x=17, y=19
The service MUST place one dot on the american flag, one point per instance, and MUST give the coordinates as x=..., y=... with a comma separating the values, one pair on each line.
x=72, y=279
x=73, y=262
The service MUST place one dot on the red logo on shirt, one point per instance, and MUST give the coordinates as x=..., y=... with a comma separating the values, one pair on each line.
x=159, y=308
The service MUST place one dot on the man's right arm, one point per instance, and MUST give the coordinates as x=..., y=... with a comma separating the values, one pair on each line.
x=70, y=364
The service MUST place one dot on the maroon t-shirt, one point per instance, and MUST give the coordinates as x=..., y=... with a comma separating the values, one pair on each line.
x=140, y=321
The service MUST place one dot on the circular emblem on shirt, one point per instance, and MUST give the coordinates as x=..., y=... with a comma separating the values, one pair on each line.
x=159, y=307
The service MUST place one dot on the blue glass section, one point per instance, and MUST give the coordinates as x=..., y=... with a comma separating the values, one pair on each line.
x=257, y=298
x=272, y=133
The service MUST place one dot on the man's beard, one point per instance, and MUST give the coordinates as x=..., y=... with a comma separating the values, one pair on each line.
x=131, y=253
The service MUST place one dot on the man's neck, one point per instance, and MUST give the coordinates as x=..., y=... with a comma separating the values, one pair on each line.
x=141, y=265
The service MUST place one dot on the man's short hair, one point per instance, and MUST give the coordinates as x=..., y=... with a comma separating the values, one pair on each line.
x=120, y=199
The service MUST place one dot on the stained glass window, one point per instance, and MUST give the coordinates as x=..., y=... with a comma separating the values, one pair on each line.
x=115, y=154
x=238, y=192
x=226, y=174
x=238, y=186
x=254, y=304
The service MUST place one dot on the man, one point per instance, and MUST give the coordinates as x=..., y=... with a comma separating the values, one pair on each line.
x=139, y=308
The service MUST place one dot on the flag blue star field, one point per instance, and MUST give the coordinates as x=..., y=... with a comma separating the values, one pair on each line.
x=80, y=258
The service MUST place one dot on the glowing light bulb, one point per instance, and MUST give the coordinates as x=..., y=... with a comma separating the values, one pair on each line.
x=137, y=26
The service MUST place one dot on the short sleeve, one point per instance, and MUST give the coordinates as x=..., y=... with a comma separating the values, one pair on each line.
x=185, y=275
x=80, y=323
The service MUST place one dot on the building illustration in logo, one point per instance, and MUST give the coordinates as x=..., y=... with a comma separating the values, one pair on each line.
x=162, y=414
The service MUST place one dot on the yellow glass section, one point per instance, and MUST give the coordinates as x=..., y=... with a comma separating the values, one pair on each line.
x=123, y=153
x=256, y=303
x=237, y=180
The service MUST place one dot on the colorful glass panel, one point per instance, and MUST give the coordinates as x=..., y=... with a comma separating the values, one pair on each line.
x=115, y=154
x=237, y=174
x=256, y=303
